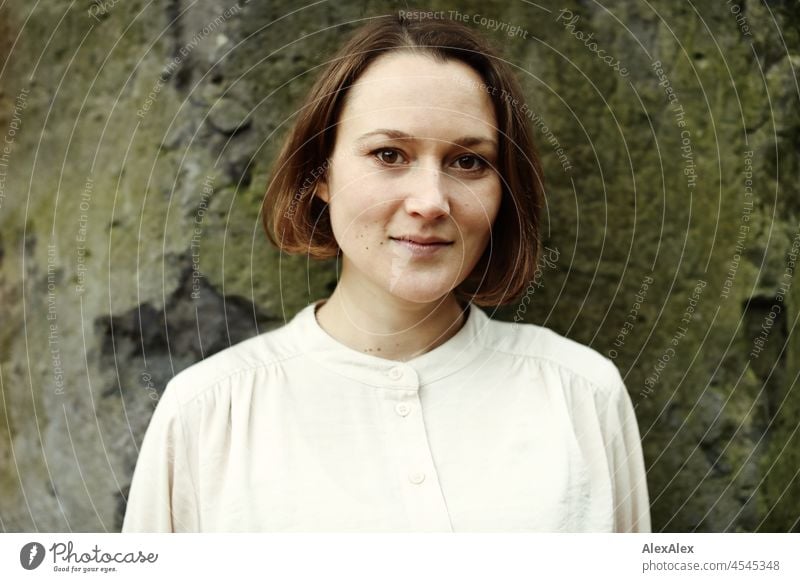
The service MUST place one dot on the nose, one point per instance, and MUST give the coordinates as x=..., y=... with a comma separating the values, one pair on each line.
x=427, y=195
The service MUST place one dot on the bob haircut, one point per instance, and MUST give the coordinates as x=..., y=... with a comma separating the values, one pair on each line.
x=298, y=222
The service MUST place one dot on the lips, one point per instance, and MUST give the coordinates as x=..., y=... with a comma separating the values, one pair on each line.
x=422, y=247
x=423, y=240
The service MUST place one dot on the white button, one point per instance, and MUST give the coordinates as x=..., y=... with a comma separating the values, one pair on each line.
x=402, y=409
x=396, y=373
x=416, y=478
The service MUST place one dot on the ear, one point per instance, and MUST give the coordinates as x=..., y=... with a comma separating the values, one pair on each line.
x=321, y=191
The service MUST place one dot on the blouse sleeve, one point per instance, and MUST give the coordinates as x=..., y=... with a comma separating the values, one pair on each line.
x=625, y=463
x=162, y=494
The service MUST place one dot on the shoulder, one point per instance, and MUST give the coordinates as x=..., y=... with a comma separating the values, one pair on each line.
x=245, y=358
x=548, y=347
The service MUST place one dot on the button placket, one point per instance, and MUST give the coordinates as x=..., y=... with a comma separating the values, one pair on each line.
x=422, y=495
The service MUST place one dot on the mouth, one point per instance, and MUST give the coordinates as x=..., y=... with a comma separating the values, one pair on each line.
x=422, y=241
x=422, y=246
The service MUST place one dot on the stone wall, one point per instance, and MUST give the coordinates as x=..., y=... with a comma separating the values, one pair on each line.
x=137, y=144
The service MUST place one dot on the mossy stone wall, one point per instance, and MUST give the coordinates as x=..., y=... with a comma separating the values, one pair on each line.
x=138, y=141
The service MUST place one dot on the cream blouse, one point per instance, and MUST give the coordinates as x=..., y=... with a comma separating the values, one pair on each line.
x=504, y=427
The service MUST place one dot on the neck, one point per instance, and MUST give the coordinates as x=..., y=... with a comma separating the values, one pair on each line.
x=390, y=328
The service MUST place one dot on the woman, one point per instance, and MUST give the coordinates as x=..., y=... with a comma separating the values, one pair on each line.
x=396, y=404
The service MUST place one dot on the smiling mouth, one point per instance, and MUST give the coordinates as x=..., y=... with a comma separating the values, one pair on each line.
x=422, y=249
x=434, y=243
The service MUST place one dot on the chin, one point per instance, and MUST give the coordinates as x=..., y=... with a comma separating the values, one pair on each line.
x=419, y=293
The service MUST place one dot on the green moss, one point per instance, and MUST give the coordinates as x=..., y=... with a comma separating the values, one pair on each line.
x=623, y=211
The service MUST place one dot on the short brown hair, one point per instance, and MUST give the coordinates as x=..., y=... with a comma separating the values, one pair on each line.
x=297, y=221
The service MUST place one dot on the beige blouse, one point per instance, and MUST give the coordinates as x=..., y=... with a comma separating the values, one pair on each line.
x=504, y=427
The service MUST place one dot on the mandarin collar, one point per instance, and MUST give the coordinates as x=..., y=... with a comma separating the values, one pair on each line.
x=428, y=368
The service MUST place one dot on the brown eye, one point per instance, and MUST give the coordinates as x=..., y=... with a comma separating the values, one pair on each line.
x=387, y=156
x=470, y=163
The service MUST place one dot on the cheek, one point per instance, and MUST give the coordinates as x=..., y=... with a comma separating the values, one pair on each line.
x=480, y=214
x=364, y=207
x=358, y=225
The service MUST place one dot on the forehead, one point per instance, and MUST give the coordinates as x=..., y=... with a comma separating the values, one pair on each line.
x=419, y=95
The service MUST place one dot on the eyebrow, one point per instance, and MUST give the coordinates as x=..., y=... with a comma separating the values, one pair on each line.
x=465, y=142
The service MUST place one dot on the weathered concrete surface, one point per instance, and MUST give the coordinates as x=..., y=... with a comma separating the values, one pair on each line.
x=130, y=241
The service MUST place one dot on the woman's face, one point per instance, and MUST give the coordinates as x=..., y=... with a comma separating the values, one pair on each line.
x=411, y=190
